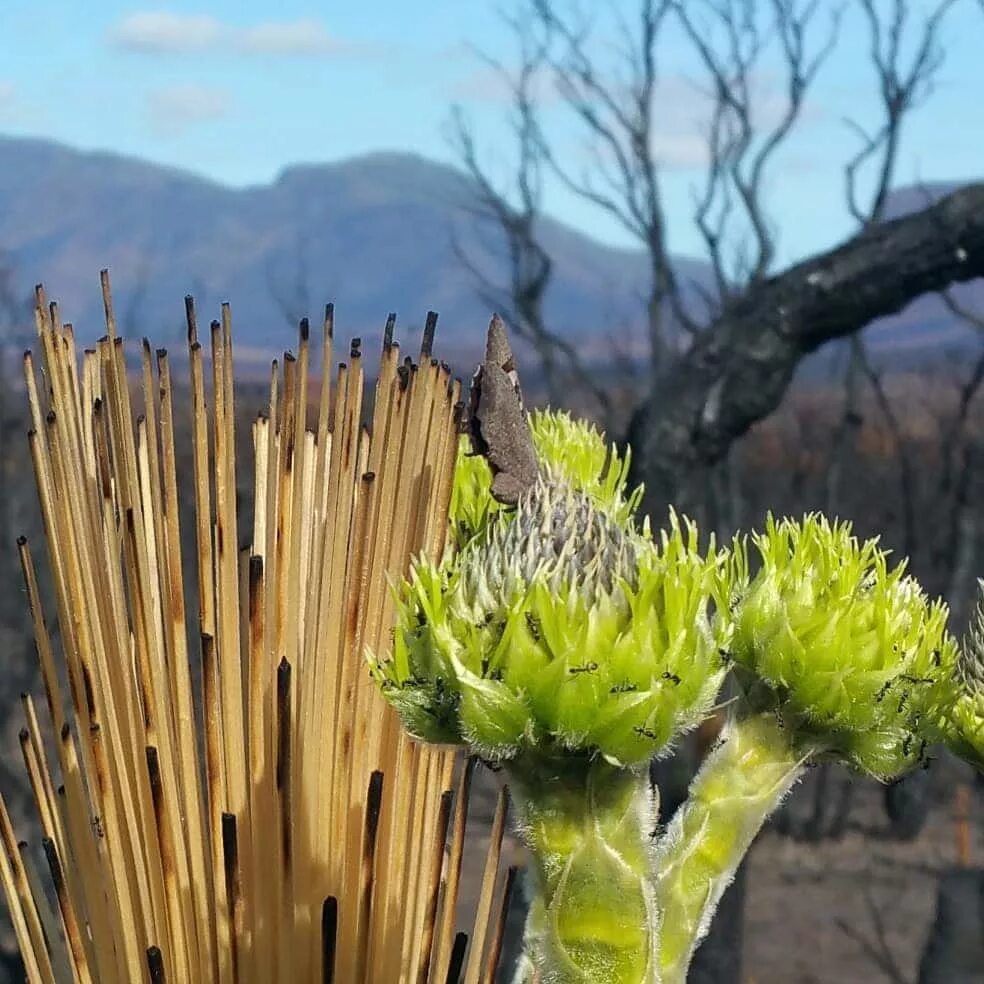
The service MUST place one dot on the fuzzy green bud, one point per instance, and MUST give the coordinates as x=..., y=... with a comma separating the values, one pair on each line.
x=855, y=659
x=560, y=630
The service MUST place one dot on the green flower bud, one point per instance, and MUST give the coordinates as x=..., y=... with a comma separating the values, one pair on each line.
x=855, y=659
x=966, y=723
x=569, y=450
x=472, y=504
x=559, y=629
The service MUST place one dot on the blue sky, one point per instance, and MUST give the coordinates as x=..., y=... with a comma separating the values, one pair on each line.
x=236, y=91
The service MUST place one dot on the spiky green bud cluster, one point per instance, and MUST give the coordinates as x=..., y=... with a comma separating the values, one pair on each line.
x=569, y=450
x=966, y=722
x=559, y=629
x=856, y=660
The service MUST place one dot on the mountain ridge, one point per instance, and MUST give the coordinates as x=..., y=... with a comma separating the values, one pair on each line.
x=375, y=233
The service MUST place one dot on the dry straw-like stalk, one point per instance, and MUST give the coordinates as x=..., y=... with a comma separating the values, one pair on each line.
x=273, y=823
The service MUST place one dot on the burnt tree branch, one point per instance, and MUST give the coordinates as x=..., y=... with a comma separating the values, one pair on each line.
x=737, y=371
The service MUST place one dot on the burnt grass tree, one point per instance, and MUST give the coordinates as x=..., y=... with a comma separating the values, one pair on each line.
x=719, y=354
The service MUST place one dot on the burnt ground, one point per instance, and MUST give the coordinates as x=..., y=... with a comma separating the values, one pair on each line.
x=818, y=913
x=850, y=909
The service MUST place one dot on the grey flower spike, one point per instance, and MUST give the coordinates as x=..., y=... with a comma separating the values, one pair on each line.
x=972, y=656
x=967, y=712
x=499, y=429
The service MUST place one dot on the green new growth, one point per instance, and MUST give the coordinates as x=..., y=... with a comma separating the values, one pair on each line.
x=566, y=642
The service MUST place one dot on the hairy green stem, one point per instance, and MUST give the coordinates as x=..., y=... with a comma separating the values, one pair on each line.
x=592, y=915
x=740, y=783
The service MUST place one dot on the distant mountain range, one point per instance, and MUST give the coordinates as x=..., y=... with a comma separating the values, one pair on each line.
x=374, y=234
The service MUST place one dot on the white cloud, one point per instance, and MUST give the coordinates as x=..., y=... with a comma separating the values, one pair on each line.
x=163, y=33
x=160, y=32
x=174, y=109
x=298, y=37
x=7, y=94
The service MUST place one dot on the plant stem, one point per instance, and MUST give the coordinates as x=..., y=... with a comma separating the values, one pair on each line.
x=592, y=915
x=740, y=783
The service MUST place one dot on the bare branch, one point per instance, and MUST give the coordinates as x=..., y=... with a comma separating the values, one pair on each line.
x=739, y=153
x=133, y=309
x=551, y=347
x=878, y=950
x=529, y=266
x=847, y=426
x=902, y=89
x=291, y=294
x=713, y=207
x=973, y=318
x=955, y=549
x=491, y=294
x=962, y=535
x=618, y=120
x=907, y=478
